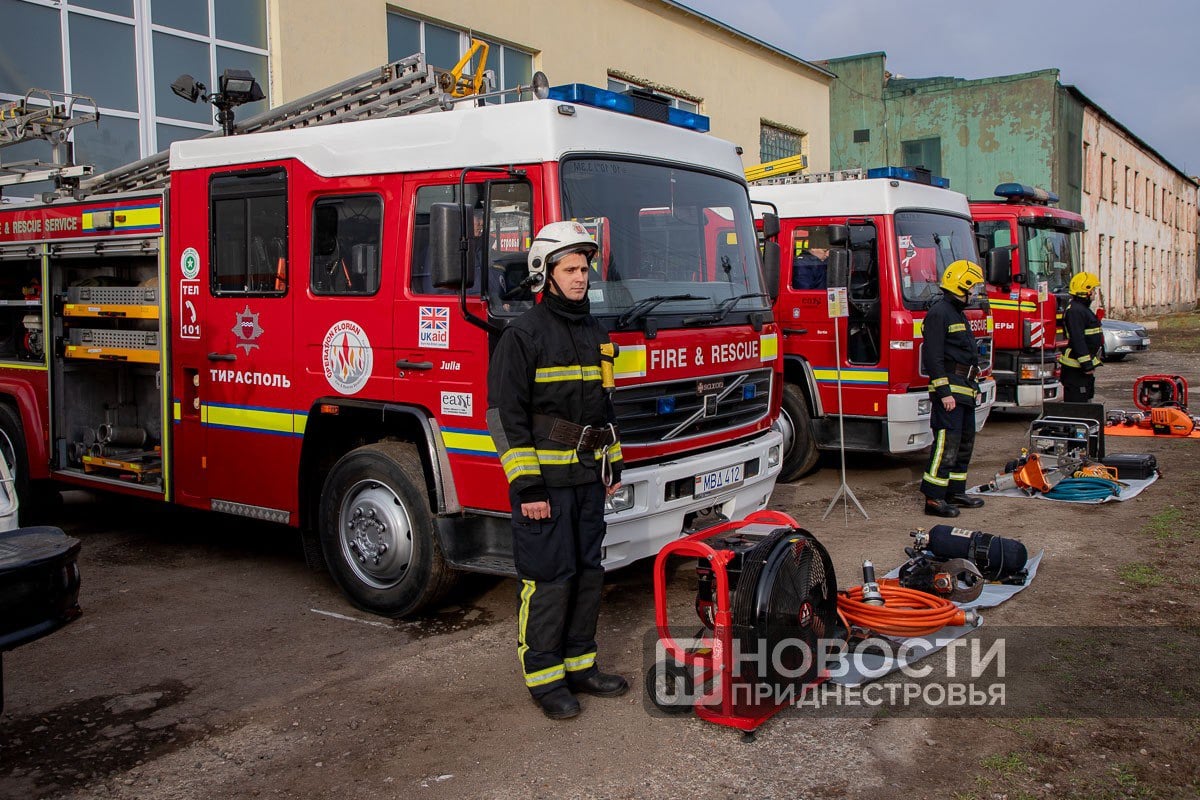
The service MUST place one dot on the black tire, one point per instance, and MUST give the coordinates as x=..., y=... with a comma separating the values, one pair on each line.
x=670, y=687
x=15, y=454
x=376, y=495
x=800, y=452
x=1112, y=356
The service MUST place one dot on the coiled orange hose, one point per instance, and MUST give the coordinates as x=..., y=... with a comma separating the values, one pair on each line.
x=907, y=612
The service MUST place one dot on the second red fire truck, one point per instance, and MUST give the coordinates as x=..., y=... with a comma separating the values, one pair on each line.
x=902, y=228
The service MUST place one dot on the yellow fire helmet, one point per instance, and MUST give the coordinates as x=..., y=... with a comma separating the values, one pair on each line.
x=961, y=277
x=1083, y=284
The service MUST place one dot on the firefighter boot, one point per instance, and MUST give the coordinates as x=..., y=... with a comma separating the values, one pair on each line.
x=601, y=684
x=559, y=703
x=939, y=508
x=965, y=501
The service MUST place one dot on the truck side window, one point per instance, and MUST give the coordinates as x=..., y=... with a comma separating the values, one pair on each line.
x=421, y=274
x=347, y=235
x=810, y=251
x=248, y=236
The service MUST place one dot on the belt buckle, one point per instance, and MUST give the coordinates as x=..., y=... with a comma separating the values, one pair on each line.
x=582, y=434
x=973, y=372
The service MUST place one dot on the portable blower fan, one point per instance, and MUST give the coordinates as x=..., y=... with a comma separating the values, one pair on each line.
x=767, y=596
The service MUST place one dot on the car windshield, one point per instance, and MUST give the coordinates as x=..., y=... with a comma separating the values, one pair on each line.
x=672, y=241
x=1051, y=255
x=929, y=242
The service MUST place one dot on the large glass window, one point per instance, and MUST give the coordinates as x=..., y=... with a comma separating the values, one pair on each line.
x=1051, y=255
x=113, y=143
x=185, y=15
x=250, y=254
x=444, y=46
x=241, y=21
x=927, y=243
x=122, y=7
x=103, y=62
x=175, y=56
x=621, y=85
x=925, y=153
x=672, y=241
x=30, y=48
x=775, y=143
x=347, y=235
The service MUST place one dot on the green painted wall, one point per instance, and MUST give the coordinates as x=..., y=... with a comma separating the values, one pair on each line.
x=990, y=130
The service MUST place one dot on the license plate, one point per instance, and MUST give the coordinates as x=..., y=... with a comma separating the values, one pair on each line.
x=719, y=479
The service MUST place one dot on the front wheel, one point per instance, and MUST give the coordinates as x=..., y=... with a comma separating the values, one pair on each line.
x=377, y=531
x=800, y=452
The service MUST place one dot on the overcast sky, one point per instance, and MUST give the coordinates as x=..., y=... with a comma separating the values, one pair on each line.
x=1139, y=61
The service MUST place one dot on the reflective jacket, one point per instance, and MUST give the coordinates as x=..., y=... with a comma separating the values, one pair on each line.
x=547, y=362
x=949, y=346
x=1085, y=336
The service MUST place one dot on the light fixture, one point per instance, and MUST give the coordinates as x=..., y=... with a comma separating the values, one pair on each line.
x=188, y=88
x=237, y=86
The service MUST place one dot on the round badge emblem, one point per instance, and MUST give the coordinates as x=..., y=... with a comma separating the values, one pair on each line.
x=347, y=356
x=189, y=262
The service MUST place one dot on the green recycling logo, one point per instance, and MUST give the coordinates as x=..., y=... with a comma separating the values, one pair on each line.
x=189, y=262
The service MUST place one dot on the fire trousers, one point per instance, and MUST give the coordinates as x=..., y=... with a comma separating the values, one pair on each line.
x=1079, y=385
x=950, y=454
x=558, y=563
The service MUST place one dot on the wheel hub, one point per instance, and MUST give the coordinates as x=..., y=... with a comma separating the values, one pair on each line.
x=376, y=534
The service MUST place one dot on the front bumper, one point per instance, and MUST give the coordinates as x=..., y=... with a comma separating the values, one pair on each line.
x=908, y=429
x=653, y=521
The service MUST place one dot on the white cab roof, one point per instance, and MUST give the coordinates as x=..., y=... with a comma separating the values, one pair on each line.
x=516, y=133
x=863, y=197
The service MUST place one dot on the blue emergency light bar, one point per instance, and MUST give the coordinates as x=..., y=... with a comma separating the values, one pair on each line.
x=910, y=174
x=586, y=95
x=1019, y=191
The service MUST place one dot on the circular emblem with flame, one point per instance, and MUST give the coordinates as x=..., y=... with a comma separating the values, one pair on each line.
x=346, y=352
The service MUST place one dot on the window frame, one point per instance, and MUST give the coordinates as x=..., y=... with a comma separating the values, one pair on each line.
x=763, y=128
x=212, y=232
x=338, y=196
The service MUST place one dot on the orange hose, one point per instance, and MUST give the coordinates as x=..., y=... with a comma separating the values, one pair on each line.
x=906, y=612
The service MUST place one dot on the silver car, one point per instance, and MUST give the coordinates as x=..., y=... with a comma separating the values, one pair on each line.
x=1122, y=338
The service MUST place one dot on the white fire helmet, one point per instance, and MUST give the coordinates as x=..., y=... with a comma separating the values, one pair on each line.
x=553, y=242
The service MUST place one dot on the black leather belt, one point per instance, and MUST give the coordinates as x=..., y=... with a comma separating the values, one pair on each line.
x=581, y=437
x=968, y=371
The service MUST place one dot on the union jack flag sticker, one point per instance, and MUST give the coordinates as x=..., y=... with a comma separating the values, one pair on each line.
x=434, y=327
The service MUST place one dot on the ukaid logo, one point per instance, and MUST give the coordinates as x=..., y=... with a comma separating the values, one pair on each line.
x=458, y=404
x=346, y=352
x=434, y=327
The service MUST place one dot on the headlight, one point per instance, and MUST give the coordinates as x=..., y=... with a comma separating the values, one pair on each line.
x=1032, y=372
x=620, y=500
x=773, y=456
x=924, y=406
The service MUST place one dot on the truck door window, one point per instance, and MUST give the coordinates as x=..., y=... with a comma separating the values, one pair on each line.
x=1051, y=255
x=248, y=244
x=810, y=251
x=347, y=234
x=927, y=243
x=864, y=323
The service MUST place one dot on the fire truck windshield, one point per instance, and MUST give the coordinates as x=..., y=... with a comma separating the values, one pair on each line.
x=674, y=243
x=929, y=242
x=1051, y=255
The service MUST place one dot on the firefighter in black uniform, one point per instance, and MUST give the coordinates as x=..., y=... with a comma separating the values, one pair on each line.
x=1085, y=340
x=550, y=413
x=951, y=361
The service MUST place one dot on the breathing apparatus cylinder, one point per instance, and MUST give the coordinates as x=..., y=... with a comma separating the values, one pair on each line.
x=608, y=356
x=997, y=558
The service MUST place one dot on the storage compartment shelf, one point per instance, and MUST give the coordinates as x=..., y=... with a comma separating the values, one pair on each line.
x=21, y=303
x=112, y=354
x=137, y=466
x=110, y=311
x=113, y=295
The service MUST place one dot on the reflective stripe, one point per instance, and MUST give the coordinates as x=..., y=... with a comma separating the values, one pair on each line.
x=958, y=476
x=957, y=327
x=1090, y=331
x=573, y=372
x=941, y=382
x=519, y=461
x=527, y=590
x=585, y=661
x=935, y=480
x=614, y=453
x=544, y=676
x=935, y=463
x=557, y=457
x=1066, y=360
x=963, y=390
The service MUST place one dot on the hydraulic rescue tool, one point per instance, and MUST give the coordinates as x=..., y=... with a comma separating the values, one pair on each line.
x=767, y=598
x=1161, y=401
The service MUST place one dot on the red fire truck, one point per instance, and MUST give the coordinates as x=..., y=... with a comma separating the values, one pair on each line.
x=295, y=325
x=902, y=228
x=1027, y=307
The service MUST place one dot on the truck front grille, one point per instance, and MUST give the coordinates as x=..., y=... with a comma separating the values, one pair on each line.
x=644, y=420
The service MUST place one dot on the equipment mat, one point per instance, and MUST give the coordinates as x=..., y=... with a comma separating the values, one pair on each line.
x=867, y=667
x=1134, y=430
x=1130, y=489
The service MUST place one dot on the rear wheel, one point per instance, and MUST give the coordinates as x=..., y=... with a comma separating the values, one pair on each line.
x=671, y=687
x=800, y=452
x=12, y=449
x=377, y=531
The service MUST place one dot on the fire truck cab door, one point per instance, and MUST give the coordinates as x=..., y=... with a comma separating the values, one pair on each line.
x=247, y=381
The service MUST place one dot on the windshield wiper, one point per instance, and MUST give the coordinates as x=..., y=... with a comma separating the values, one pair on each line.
x=723, y=308
x=644, y=306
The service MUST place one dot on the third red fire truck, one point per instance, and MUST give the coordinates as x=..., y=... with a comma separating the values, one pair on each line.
x=902, y=228
x=1027, y=307
x=294, y=324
